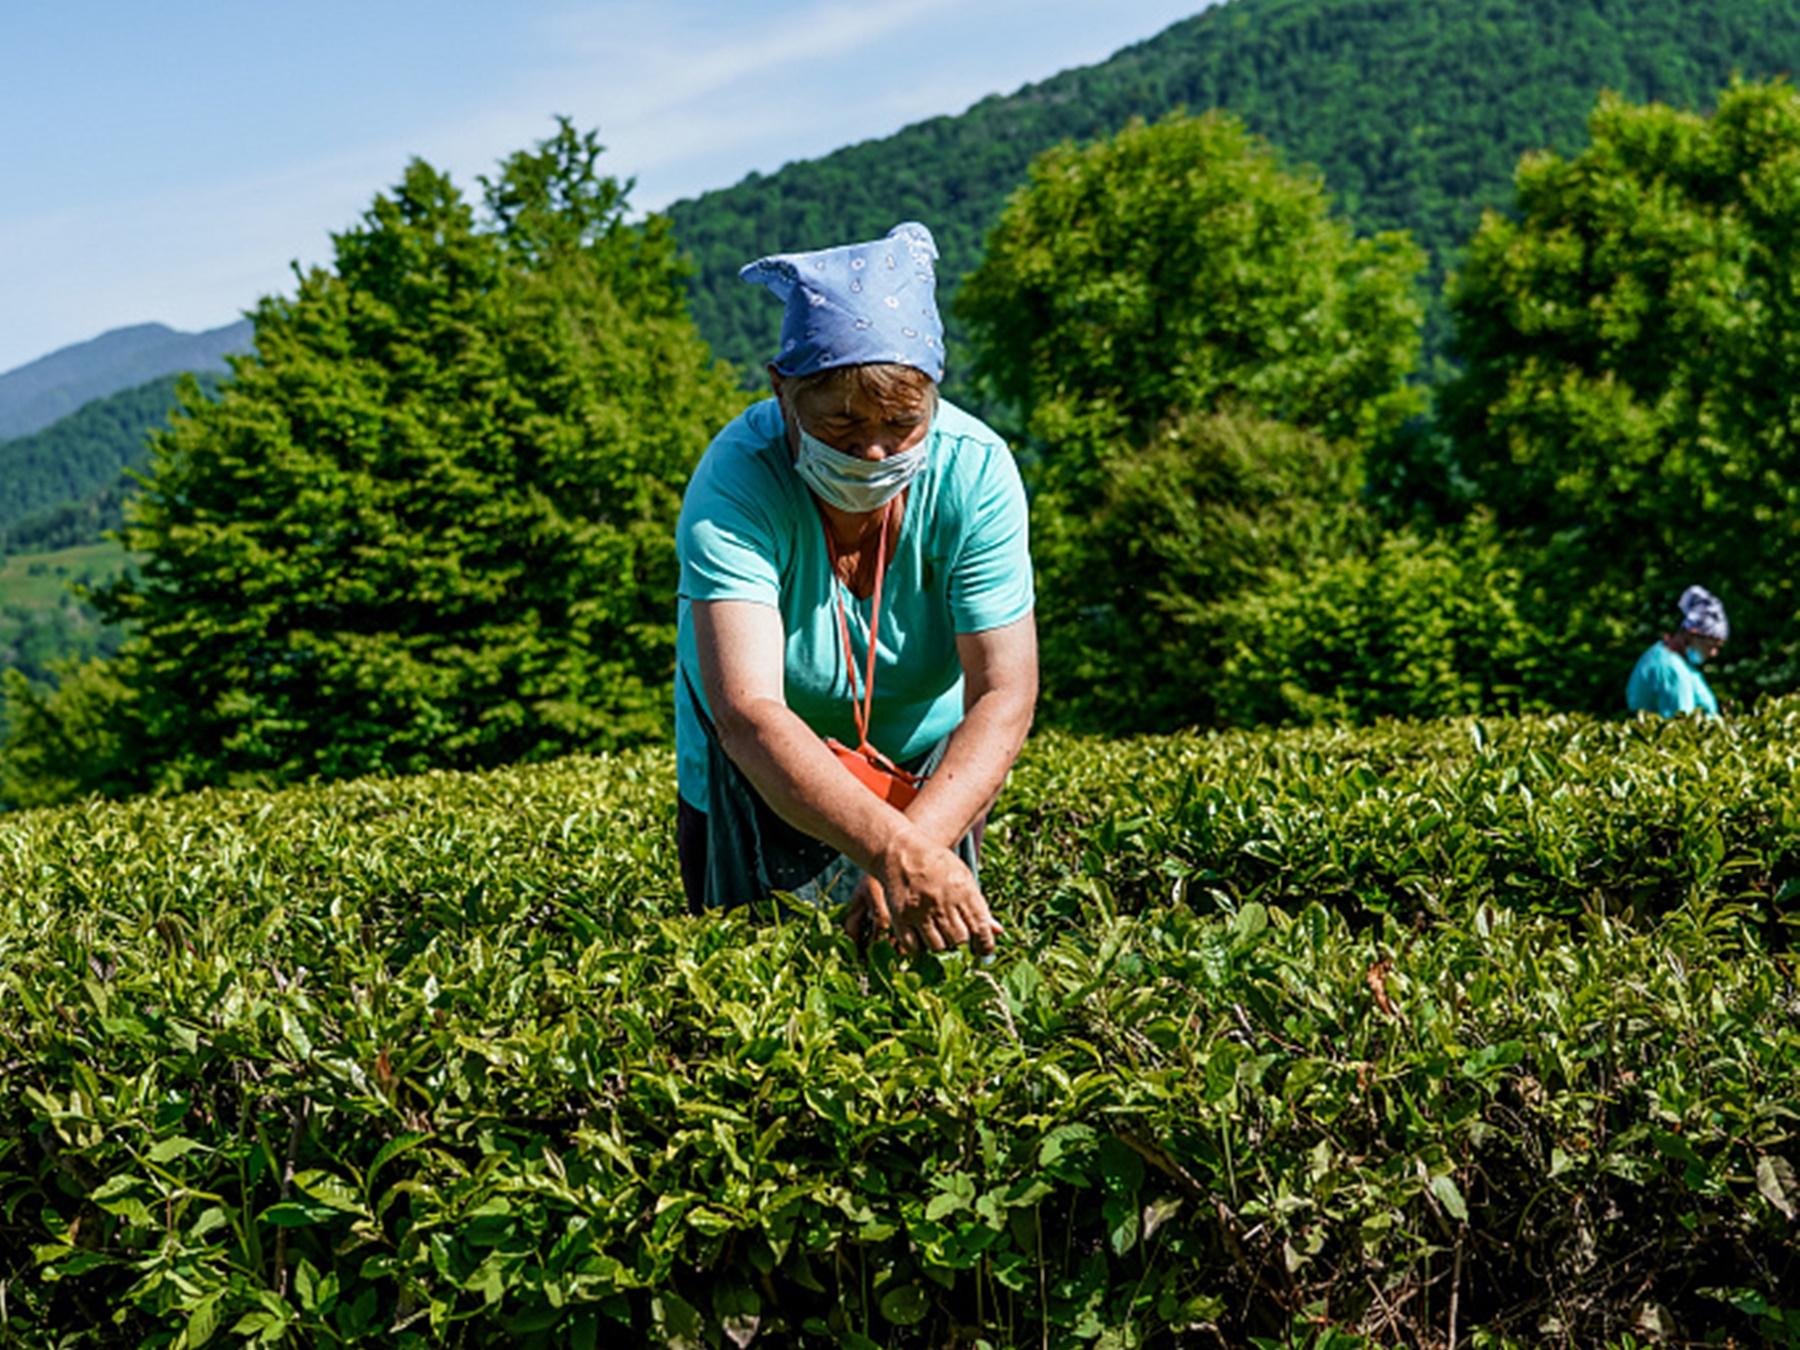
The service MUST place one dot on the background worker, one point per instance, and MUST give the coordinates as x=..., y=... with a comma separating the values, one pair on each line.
x=1667, y=678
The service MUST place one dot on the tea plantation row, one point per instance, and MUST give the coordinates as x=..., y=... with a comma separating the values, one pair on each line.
x=1474, y=1032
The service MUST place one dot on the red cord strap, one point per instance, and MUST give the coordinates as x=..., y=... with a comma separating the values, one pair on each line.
x=863, y=703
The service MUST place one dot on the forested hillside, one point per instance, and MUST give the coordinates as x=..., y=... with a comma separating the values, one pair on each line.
x=37, y=394
x=1416, y=112
x=43, y=620
x=63, y=485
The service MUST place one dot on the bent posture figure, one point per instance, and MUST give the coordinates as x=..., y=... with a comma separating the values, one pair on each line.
x=857, y=660
x=1667, y=678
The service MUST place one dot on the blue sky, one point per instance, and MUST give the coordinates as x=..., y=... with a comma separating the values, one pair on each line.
x=167, y=161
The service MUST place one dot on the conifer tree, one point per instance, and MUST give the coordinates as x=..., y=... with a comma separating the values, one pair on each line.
x=429, y=522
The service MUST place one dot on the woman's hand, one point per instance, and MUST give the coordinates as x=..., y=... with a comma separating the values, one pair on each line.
x=925, y=896
x=867, y=917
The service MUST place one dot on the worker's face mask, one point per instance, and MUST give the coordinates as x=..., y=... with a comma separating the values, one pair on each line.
x=1696, y=657
x=853, y=484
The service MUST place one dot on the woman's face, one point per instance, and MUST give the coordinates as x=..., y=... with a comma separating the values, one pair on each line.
x=855, y=422
x=1709, y=647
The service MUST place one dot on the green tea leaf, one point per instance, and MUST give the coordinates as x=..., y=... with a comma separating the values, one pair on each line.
x=905, y=1305
x=682, y=1326
x=1775, y=1179
x=174, y=1147
x=1445, y=1189
x=203, y=1320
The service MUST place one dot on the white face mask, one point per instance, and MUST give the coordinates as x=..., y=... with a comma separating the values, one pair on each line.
x=852, y=484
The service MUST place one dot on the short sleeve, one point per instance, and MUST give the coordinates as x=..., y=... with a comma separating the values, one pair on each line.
x=990, y=582
x=727, y=535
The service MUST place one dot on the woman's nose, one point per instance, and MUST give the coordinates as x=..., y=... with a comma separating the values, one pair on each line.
x=875, y=450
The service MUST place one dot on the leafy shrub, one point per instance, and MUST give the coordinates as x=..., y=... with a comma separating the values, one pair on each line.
x=1140, y=590
x=1417, y=628
x=1560, y=815
x=439, y=1059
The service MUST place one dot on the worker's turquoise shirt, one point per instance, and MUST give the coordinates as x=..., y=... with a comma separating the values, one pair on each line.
x=750, y=530
x=1663, y=682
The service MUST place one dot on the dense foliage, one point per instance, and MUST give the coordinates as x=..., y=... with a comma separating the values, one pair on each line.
x=1145, y=573
x=1462, y=1030
x=430, y=521
x=1197, y=349
x=62, y=486
x=1415, y=627
x=72, y=524
x=1174, y=267
x=1415, y=111
x=1622, y=425
x=1627, y=409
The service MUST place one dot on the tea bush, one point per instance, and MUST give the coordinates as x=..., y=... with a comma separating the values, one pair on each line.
x=1559, y=814
x=1293, y=1036
x=1411, y=628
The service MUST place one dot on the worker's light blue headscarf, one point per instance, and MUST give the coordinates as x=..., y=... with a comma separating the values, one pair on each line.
x=858, y=303
x=1702, y=613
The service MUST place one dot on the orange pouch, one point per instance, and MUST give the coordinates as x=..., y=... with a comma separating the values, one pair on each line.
x=875, y=771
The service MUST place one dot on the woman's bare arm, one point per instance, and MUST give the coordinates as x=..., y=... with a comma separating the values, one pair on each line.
x=1000, y=685
x=741, y=650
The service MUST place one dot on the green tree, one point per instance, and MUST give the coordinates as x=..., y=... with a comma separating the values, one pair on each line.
x=1415, y=627
x=429, y=522
x=1177, y=267
x=1198, y=350
x=1627, y=408
x=1144, y=584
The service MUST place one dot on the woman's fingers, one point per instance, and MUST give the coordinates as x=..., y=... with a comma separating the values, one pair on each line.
x=878, y=906
x=981, y=936
x=868, y=916
x=977, y=922
x=934, y=907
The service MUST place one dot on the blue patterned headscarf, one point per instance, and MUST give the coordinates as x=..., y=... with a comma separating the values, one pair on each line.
x=858, y=303
x=1702, y=613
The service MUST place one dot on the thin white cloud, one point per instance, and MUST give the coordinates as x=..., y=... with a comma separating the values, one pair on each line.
x=648, y=67
x=661, y=93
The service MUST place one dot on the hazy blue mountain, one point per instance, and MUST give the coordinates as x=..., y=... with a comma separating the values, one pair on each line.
x=51, y=387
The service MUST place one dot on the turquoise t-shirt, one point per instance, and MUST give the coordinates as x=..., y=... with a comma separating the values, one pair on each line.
x=1663, y=682
x=750, y=530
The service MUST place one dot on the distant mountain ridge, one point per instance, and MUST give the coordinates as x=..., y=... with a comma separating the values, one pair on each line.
x=1415, y=111
x=52, y=387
